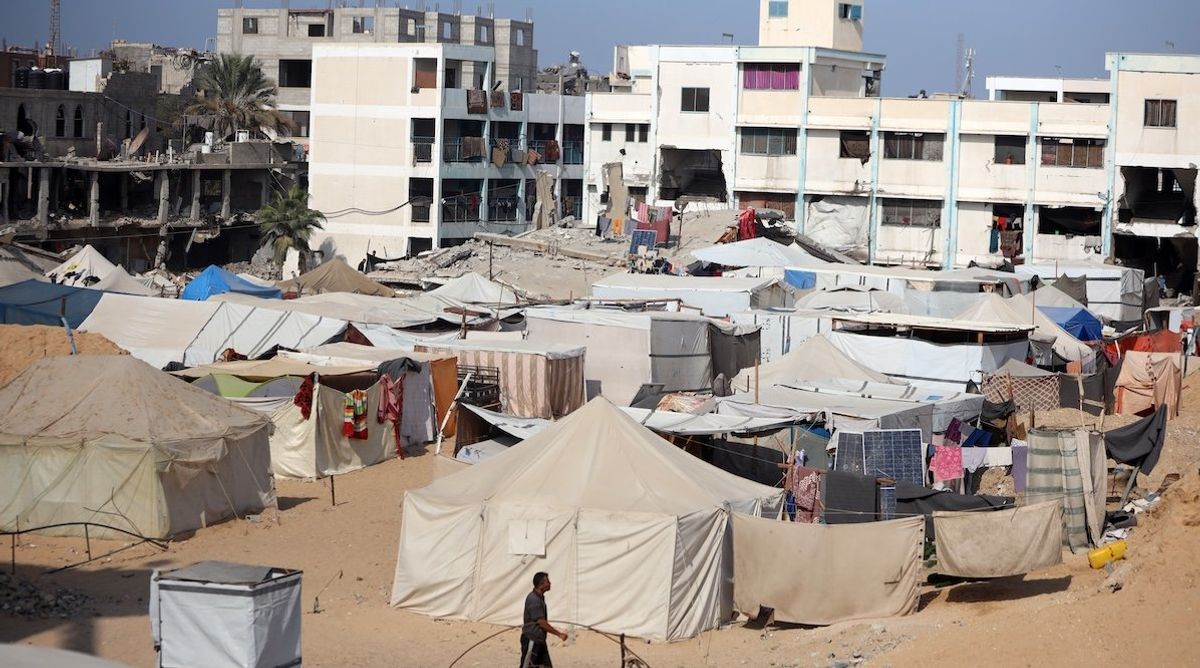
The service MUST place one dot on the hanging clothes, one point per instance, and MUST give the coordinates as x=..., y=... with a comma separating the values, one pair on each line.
x=304, y=396
x=805, y=486
x=747, y=225
x=391, y=407
x=477, y=101
x=516, y=100
x=947, y=463
x=498, y=99
x=552, y=150
x=354, y=416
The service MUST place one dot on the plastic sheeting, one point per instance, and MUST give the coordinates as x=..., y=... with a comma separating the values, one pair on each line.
x=36, y=302
x=86, y=264
x=939, y=367
x=841, y=223
x=716, y=297
x=596, y=499
x=834, y=574
x=215, y=281
x=1147, y=381
x=999, y=544
x=1114, y=293
x=335, y=276
x=837, y=410
x=813, y=360
x=757, y=252
x=1077, y=321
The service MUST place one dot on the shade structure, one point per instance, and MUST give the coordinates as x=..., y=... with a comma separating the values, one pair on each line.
x=216, y=281
x=1147, y=381
x=1077, y=321
x=36, y=302
x=757, y=252
x=813, y=360
x=1051, y=344
x=113, y=441
x=633, y=530
x=335, y=276
x=22, y=263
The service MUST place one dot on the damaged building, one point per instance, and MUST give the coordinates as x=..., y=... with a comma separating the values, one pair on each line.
x=1053, y=169
x=437, y=156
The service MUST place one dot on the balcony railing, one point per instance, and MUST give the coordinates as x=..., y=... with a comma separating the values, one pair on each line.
x=503, y=209
x=423, y=149
x=420, y=213
x=461, y=209
x=464, y=149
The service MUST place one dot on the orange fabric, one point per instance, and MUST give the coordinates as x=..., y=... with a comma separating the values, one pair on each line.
x=445, y=386
x=1147, y=381
x=1162, y=341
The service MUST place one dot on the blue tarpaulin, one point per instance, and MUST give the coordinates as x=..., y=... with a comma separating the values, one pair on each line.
x=1078, y=322
x=216, y=281
x=40, y=303
x=801, y=280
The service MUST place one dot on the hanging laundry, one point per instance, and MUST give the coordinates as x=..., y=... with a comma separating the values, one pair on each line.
x=552, y=150
x=604, y=228
x=516, y=101
x=532, y=157
x=304, y=396
x=953, y=432
x=473, y=147
x=947, y=463
x=498, y=99
x=477, y=101
x=747, y=225
x=973, y=458
x=499, y=156
x=618, y=227
x=354, y=416
x=805, y=486
x=1020, y=464
x=391, y=407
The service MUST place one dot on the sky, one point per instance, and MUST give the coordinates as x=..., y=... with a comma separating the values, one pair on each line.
x=920, y=37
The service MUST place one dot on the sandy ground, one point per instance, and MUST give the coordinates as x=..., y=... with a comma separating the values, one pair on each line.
x=23, y=345
x=1061, y=616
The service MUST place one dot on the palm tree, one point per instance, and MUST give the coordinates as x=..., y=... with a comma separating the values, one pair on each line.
x=238, y=96
x=287, y=224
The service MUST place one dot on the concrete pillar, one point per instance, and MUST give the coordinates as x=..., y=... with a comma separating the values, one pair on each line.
x=226, y=193
x=264, y=197
x=99, y=138
x=43, y=206
x=164, y=192
x=195, y=194
x=94, y=199
x=124, y=192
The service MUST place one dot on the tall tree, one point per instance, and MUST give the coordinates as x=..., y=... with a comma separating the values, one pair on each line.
x=287, y=223
x=238, y=96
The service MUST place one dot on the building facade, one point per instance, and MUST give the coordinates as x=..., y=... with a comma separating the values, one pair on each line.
x=282, y=40
x=934, y=182
x=437, y=155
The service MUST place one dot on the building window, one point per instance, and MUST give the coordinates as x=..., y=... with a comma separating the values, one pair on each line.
x=1063, y=152
x=295, y=73
x=771, y=76
x=60, y=122
x=249, y=25
x=777, y=9
x=630, y=132
x=78, y=121
x=643, y=133
x=485, y=35
x=1160, y=113
x=695, y=99
x=606, y=132
x=850, y=11
x=768, y=141
x=447, y=30
x=299, y=121
x=913, y=146
x=520, y=37
x=362, y=25
x=1010, y=150
x=855, y=144
x=912, y=213
x=316, y=30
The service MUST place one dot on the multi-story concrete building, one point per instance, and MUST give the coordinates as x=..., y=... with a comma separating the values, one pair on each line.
x=436, y=155
x=283, y=40
x=796, y=124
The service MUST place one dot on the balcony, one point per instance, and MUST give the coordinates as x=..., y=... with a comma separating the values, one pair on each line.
x=461, y=209
x=423, y=149
x=464, y=149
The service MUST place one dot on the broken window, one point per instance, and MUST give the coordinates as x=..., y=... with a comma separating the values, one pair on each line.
x=692, y=172
x=855, y=144
x=78, y=129
x=606, y=132
x=695, y=99
x=1160, y=113
x=777, y=9
x=1067, y=152
x=316, y=30
x=249, y=25
x=420, y=196
x=771, y=76
x=295, y=73
x=362, y=25
x=1068, y=220
x=768, y=141
x=913, y=146
x=850, y=11
x=60, y=122
x=1010, y=150
x=912, y=213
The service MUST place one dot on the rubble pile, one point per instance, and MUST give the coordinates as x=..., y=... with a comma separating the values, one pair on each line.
x=22, y=598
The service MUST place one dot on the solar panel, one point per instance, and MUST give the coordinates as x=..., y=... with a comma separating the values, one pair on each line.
x=894, y=453
x=849, y=452
x=647, y=238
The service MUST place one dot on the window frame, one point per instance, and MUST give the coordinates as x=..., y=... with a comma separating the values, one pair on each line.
x=643, y=133
x=899, y=205
x=1092, y=153
x=777, y=76
x=362, y=25
x=694, y=95
x=1000, y=152
x=857, y=135
x=913, y=145
x=60, y=121
x=768, y=142
x=606, y=130
x=1155, y=109
x=249, y=25
x=778, y=9
x=630, y=133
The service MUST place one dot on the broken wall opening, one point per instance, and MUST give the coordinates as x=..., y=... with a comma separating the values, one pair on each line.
x=1163, y=196
x=1069, y=221
x=692, y=172
x=1172, y=258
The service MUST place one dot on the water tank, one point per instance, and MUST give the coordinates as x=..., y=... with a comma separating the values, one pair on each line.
x=56, y=80
x=37, y=79
x=21, y=78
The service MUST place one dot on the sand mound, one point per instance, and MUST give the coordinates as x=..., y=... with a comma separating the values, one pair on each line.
x=25, y=344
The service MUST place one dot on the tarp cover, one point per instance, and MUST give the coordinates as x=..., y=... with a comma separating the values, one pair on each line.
x=850, y=299
x=1147, y=381
x=215, y=281
x=1139, y=443
x=837, y=573
x=995, y=545
x=112, y=440
x=1077, y=321
x=813, y=360
x=756, y=252
x=596, y=499
x=335, y=276
x=22, y=263
x=36, y=302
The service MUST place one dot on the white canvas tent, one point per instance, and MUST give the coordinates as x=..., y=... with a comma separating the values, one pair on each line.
x=853, y=299
x=815, y=359
x=838, y=410
x=634, y=530
x=87, y=263
x=941, y=367
x=111, y=440
x=757, y=252
x=1047, y=335
x=118, y=280
x=716, y=297
x=1114, y=293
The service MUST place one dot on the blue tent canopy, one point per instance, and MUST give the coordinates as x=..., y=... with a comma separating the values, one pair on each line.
x=215, y=281
x=1078, y=322
x=36, y=302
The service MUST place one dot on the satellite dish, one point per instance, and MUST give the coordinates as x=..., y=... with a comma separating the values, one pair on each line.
x=139, y=140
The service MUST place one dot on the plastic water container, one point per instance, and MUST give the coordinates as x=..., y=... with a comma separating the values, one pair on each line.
x=1103, y=556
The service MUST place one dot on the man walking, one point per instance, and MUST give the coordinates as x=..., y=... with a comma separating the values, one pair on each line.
x=534, y=652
